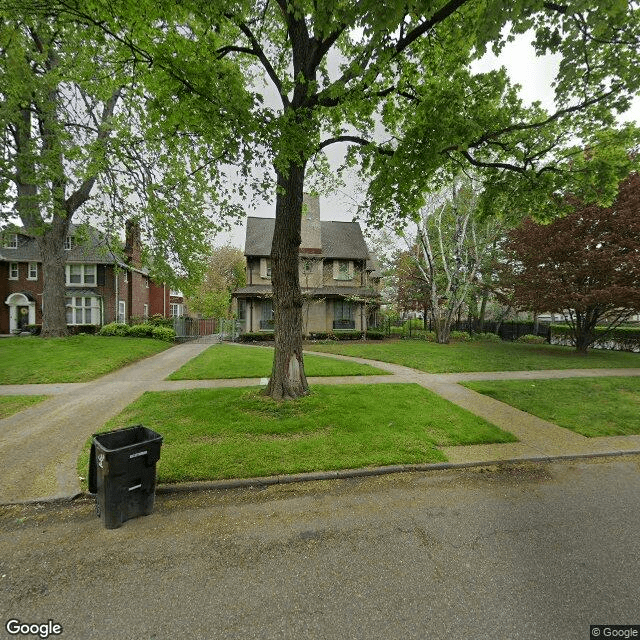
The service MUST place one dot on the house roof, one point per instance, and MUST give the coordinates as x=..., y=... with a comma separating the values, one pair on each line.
x=342, y=240
x=94, y=248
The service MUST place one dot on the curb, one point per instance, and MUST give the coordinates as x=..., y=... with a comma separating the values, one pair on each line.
x=344, y=474
x=240, y=483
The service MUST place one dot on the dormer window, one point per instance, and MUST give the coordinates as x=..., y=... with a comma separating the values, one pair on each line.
x=69, y=243
x=10, y=240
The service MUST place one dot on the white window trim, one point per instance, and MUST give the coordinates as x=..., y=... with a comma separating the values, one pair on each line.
x=11, y=270
x=69, y=243
x=34, y=266
x=122, y=312
x=94, y=308
x=83, y=282
x=145, y=311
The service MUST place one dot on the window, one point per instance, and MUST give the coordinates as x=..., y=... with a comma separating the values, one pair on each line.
x=33, y=271
x=307, y=266
x=343, y=315
x=265, y=267
x=343, y=269
x=122, y=311
x=13, y=271
x=242, y=309
x=11, y=240
x=145, y=311
x=83, y=310
x=176, y=309
x=69, y=242
x=81, y=274
x=146, y=282
x=266, y=317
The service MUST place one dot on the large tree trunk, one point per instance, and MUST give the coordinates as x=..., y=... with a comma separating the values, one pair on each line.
x=54, y=320
x=288, y=379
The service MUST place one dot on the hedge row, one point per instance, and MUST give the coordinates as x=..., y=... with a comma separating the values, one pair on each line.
x=620, y=339
x=145, y=330
x=318, y=335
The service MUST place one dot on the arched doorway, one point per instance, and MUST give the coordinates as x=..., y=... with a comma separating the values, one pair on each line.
x=22, y=311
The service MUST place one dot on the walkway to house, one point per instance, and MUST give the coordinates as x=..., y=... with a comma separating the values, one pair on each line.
x=40, y=445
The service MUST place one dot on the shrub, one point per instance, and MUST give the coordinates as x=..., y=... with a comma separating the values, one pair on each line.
x=619, y=339
x=460, y=336
x=34, y=329
x=322, y=335
x=255, y=337
x=163, y=333
x=487, y=337
x=114, y=329
x=159, y=320
x=531, y=339
x=374, y=334
x=76, y=329
x=141, y=331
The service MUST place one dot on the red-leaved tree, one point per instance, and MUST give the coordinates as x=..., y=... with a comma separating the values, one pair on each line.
x=585, y=265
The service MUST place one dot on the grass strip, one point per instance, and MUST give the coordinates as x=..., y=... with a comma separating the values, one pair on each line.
x=480, y=355
x=13, y=404
x=79, y=358
x=230, y=361
x=212, y=434
x=590, y=406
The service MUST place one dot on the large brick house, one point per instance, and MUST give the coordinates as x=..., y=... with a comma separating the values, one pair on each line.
x=338, y=275
x=102, y=286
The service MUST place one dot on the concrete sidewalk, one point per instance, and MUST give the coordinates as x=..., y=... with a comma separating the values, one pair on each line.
x=40, y=445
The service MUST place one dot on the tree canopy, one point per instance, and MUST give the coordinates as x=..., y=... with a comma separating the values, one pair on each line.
x=585, y=265
x=225, y=272
x=341, y=69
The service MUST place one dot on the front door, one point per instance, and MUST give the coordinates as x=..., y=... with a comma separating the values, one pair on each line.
x=23, y=317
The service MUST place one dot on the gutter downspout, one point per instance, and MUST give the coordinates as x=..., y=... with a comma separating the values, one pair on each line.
x=115, y=276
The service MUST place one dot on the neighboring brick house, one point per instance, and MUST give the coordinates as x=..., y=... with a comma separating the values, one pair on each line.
x=101, y=287
x=337, y=275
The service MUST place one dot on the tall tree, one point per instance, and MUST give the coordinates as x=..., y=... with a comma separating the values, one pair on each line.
x=585, y=266
x=406, y=63
x=226, y=271
x=452, y=245
x=76, y=138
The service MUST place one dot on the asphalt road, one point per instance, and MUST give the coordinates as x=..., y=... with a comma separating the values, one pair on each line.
x=535, y=551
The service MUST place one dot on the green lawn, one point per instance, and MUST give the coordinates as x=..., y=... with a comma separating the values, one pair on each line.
x=238, y=433
x=480, y=356
x=12, y=404
x=229, y=361
x=74, y=359
x=589, y=406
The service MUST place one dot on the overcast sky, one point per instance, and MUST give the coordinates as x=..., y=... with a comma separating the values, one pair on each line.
x=535, y=76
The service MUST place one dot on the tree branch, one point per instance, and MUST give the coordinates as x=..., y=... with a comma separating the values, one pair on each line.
x=83, y=192
x=363, y=142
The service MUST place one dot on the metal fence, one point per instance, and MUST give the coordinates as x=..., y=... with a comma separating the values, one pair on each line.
x=506, y=330
x=214, y=329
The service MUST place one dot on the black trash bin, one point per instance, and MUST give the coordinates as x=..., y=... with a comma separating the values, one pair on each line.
x=122, y=473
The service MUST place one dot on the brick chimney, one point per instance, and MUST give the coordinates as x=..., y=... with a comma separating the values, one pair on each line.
x=133, y=243
x=311, y=230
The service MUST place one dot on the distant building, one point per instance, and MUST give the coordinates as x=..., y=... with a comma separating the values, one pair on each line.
x=338, y=275
x=101, y=287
